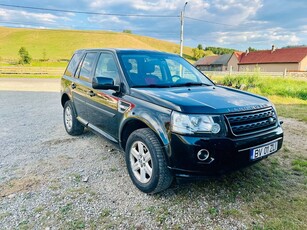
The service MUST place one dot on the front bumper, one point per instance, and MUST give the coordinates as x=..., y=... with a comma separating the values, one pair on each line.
x=226, y=154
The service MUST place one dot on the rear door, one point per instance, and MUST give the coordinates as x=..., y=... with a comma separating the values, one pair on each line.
x=103, y=106
x=82, y=85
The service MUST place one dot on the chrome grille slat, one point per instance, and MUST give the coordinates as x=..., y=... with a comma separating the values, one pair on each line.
x=253, y=121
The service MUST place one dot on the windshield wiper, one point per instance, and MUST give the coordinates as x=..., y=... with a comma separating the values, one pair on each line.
x=191, y=84
x=151, y=86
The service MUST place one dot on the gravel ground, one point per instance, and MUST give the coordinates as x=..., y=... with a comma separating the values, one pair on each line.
x=50, y=180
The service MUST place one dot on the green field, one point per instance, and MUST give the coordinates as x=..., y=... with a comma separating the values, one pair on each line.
x=60, y=44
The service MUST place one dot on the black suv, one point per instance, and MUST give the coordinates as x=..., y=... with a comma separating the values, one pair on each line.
x=168, y=117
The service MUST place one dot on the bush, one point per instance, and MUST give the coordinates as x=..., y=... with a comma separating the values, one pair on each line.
x=25, y=57
x=127, y=31
x=267, y=86
x=240, y=82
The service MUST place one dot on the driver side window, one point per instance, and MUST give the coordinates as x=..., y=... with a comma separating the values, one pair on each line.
x=106, y=67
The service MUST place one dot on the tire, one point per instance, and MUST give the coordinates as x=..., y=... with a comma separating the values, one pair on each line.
x=146, y=162
x=72, y=125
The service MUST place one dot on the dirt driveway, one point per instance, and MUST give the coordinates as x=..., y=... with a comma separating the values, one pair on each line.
x=50, y=180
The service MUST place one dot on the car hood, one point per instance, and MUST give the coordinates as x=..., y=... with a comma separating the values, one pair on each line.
x=202, y=99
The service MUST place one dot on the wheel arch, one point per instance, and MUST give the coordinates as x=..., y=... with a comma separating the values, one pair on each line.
x=64, y=98
x=134, y=124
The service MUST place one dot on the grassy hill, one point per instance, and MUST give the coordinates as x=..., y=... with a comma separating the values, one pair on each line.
x=60, y=44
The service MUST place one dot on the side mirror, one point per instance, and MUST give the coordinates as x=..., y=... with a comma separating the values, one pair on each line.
x=104, y=83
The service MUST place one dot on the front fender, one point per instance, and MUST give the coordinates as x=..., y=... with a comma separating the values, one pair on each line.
x=153, y=116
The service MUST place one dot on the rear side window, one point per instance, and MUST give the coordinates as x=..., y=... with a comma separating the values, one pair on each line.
x=73, y=64
x=87, y=66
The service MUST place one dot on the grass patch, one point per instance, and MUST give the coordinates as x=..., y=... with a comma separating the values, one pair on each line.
x=300, y=165
x=213, y=211
x=76, y=177
x=23, y=225
x=105, y=213
x=285, y=87
x=39, y=209
x=297, y=111
x=4, y=215
x=76, y=224
x=66, y=209
x=232, y=212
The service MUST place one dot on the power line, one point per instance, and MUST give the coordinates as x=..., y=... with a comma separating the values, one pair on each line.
x=201, y=20
x=91, y=13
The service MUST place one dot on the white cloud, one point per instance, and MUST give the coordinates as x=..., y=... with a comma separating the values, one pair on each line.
x=24, y=16
x=107, y=19
x=266, y=37
x=236, y=11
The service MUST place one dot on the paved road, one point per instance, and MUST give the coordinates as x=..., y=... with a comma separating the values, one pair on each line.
x=28, y=116
x=30, y=84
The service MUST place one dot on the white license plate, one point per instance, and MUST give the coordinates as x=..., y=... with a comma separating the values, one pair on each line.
x=263, y=150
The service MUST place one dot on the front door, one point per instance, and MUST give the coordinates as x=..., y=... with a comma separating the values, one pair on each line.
x=103, y=106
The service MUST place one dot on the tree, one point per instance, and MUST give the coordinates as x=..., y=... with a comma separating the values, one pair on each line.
x=220, y=50
x=25, y=57
x=251, y=49
x=44, y=55
x=198, y=53
x=200, y=47
x=127, y=31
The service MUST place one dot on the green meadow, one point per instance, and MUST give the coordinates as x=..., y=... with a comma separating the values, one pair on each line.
x=59, y=45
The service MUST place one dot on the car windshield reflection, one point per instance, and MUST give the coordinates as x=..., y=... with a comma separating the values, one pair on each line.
x=160, y=71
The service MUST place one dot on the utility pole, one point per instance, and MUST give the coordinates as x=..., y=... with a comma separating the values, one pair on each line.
x=181, y=31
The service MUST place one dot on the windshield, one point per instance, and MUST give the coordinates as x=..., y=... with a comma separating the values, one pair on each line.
x=160, y=70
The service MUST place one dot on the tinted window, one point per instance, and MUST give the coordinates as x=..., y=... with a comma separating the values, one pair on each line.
x=87, y=66
x=106, y=67
x=73, y=64
x=142, y=70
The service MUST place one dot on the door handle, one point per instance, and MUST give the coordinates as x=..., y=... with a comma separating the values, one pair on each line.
x=73, y=86
x=91, y=93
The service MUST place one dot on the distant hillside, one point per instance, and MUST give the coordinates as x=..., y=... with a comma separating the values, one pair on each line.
x=60, y=44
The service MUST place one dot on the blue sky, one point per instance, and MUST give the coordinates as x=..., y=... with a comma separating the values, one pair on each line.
x=225, y=23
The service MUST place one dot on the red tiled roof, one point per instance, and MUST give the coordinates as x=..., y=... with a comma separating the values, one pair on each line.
x=286, y=55
x=208, y=60
x=238, y=54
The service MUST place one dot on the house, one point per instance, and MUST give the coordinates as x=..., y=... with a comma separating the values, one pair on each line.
x=213, y=63
x=234, y=60
x=274, y=60
x=204, y=64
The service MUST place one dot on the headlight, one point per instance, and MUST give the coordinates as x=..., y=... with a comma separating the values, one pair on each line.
x=193, y=123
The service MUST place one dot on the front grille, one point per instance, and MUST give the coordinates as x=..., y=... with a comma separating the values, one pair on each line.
x=250, y=122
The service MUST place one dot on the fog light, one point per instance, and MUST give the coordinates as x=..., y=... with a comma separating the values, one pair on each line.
x=203, y=154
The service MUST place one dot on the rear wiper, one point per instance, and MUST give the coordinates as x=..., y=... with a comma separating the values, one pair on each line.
x=191, y=84
x=151, y=86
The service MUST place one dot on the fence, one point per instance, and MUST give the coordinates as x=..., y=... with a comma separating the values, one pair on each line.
x=20, y=70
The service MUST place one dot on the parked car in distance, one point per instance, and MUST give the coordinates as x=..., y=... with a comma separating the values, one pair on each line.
x=169, y=119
